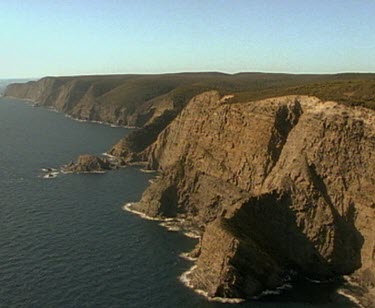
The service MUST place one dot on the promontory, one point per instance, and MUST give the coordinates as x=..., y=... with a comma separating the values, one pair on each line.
x=275, y=171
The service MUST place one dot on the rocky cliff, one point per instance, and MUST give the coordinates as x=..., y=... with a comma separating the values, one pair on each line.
x=279, y=185
x=275, y=186
x=153, y=101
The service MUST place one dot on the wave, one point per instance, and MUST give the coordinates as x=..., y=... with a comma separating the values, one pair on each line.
x=49, y=169
x=276, y=291
x=110, y=156
x=171, y=224
x=100, y=122
x=51, y=175
x=350, y=297
x=127, y=207
x=173, y=227
x=147, y=170
x=192, y=234
x=186, y=256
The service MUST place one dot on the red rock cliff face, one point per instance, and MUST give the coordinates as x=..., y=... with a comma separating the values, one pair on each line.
x=276, y=185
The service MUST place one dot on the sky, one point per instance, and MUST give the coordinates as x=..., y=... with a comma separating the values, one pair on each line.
x=63, y=37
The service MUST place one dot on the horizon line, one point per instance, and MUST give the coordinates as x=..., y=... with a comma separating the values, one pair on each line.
x=192, y=72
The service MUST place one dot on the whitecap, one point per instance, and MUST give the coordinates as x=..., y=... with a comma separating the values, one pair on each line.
x=109, y=155
x=173, y=227
x=50, y=175
x=193, y=234
x=186, y=256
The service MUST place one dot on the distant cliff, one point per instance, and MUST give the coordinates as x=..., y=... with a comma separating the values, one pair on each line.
x=121, y=100
x=147, y=101
x=279, y=185
x=153, y=101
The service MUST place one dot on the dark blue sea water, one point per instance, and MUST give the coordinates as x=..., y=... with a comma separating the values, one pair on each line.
x=66, y=242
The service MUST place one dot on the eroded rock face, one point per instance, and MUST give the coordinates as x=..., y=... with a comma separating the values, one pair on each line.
x=89, y=163
x=276, y=185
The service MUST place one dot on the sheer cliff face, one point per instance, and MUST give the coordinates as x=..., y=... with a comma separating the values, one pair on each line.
x=277, y=185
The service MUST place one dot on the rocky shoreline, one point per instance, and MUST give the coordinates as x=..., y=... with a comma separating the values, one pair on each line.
x=313, y=200
x=281, y=185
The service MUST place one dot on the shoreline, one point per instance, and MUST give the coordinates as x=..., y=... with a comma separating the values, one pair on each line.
x=168, y=222
x=174, y=225
x=51, y=108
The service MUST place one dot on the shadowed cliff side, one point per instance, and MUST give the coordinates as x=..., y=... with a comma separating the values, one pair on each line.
x=279, y=185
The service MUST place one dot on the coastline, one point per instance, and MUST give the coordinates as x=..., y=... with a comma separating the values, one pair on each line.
x=36, y=104
x=176, y=225
x=170, y=223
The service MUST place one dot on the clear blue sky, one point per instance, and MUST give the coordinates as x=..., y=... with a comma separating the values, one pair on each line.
x=64, y=37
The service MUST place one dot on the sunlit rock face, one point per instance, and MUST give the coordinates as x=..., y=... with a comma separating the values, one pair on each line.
x=276, y=185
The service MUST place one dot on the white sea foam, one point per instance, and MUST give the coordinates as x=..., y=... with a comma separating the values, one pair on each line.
x=350, y=297
x=351, y=281
x=53, y=109
x=268, y=292
x=186, y=256
x=318, y=281
x=192, y=234
x=127, y=207
x=50, y=175
x=147, y=170
x=184, y=278
x=100, y=122
x=49, y=169
x=276, y=291
x=109, y=155
x=170, y=226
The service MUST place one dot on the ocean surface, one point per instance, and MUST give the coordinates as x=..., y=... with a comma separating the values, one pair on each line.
x=66, y=242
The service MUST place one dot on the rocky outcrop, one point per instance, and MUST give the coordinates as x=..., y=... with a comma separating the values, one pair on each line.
x=279, y=185
x=89, y=164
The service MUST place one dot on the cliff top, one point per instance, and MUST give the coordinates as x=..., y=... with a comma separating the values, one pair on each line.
x=133, y=89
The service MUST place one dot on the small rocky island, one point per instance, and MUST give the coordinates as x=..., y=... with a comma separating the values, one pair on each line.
x=89, y=164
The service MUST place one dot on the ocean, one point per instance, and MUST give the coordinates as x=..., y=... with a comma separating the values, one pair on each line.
x=66, y=242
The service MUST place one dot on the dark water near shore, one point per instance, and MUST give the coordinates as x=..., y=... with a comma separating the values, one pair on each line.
x=66, y=242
